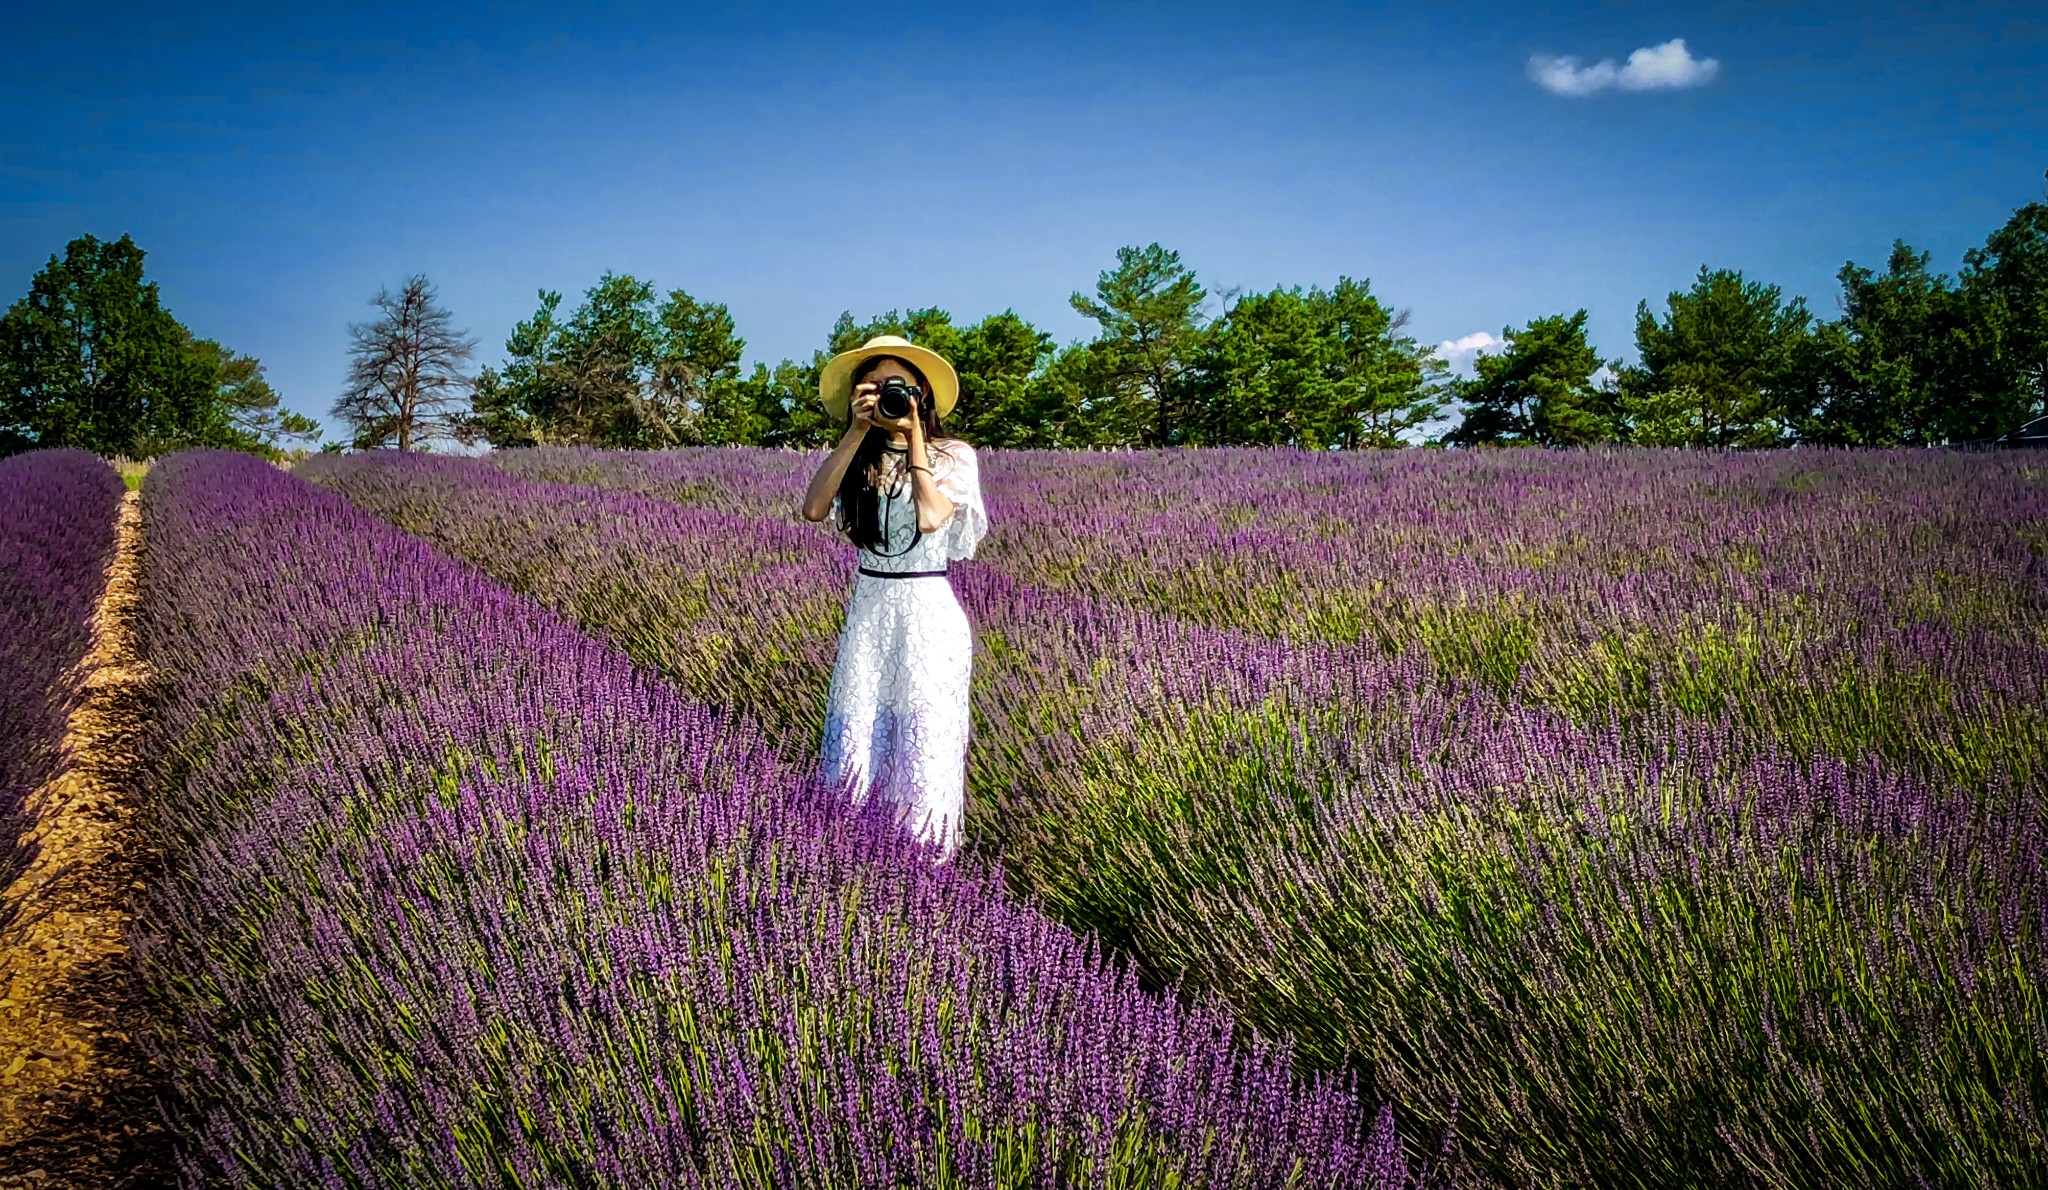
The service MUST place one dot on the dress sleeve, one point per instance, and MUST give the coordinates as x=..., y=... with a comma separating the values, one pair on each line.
x=957, y=473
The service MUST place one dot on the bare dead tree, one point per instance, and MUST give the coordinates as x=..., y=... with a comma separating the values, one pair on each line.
x=406, y=384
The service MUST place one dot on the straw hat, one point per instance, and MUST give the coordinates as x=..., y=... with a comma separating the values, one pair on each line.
x=835, y=383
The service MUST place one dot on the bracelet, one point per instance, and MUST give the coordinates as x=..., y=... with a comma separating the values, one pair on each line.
x=921, y=467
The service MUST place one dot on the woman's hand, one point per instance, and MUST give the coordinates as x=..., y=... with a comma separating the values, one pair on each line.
x=865, y=394
x=864, y=405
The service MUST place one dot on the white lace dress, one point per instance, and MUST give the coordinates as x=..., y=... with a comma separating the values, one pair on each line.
x=896, y=718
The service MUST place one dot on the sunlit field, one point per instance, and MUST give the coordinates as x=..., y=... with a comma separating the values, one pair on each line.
x=1616, y=817
x=1639, y=817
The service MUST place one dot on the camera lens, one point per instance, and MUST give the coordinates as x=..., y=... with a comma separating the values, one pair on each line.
x=895, y=398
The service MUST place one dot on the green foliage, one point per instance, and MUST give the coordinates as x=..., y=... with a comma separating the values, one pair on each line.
x=1673, y=416
x=1919, y=360
x=1072, y=403
x=787, y=396
x=701, y=372
x=1324, y=369
x=1916, y=358
x=248, y=401
x=1723, y=362
x=765, y=399
x=620, y=371
x=1385, y=383
x=1903, y=365
x=998, y=359
x=1319, y=370
x=1538, y=392
x=91, y=359
x=1261, y=377
x=1015, y=390
x=511, y=407
x=2007, y=280
x=1149, y=311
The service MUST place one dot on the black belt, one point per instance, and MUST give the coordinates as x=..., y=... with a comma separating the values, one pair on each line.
x=904, y=573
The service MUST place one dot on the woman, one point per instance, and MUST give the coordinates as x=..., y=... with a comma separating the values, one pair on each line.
x=896, y=721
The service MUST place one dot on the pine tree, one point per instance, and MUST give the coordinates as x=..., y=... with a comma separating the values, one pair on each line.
x=1149, y=311
x=1539, y=391
x=2007, y=283
x=1721, y=369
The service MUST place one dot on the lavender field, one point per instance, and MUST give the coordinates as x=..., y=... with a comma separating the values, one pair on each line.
x=1379, y=820
x=56, y=537
x=1641, y=818
x=461, y=896
x=1860, y=603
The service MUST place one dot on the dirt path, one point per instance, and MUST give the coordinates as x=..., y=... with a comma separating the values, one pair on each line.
x=75, y=1105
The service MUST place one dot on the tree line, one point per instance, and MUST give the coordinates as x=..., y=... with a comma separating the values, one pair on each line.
x=91, y=358
x=630, y=367
x=1915, y=358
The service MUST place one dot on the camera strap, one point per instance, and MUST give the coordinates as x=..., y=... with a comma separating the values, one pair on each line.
x=916, y=534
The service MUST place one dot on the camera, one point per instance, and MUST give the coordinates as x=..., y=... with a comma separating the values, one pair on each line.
x=896, y=398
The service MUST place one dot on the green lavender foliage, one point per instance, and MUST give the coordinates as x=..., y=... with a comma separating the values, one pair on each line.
x=1639, y=940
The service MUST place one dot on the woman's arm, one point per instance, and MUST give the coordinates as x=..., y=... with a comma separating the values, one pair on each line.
x=825, y=483
x=818, y=496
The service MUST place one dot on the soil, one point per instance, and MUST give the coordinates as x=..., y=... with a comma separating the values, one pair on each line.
x=77, y=1106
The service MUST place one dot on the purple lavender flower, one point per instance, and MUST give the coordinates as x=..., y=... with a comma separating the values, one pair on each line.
x=57, y=514
x=461, y=895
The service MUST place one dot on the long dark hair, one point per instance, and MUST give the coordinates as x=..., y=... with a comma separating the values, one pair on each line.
x=860, y=509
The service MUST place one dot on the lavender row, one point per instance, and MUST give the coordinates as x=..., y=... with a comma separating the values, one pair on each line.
x=1672, y=957
x=462, y=897
x=57, y=515
x=1926, y=535
x=1888, y=602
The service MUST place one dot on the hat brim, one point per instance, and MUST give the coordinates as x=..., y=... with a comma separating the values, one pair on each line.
x=835, y=380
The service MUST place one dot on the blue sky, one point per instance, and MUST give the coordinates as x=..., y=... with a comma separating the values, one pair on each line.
x=1482, y=164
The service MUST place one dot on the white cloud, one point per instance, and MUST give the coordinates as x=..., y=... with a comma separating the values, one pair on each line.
x=1460, y=352
x=1564, y=76
x=1666, y=67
